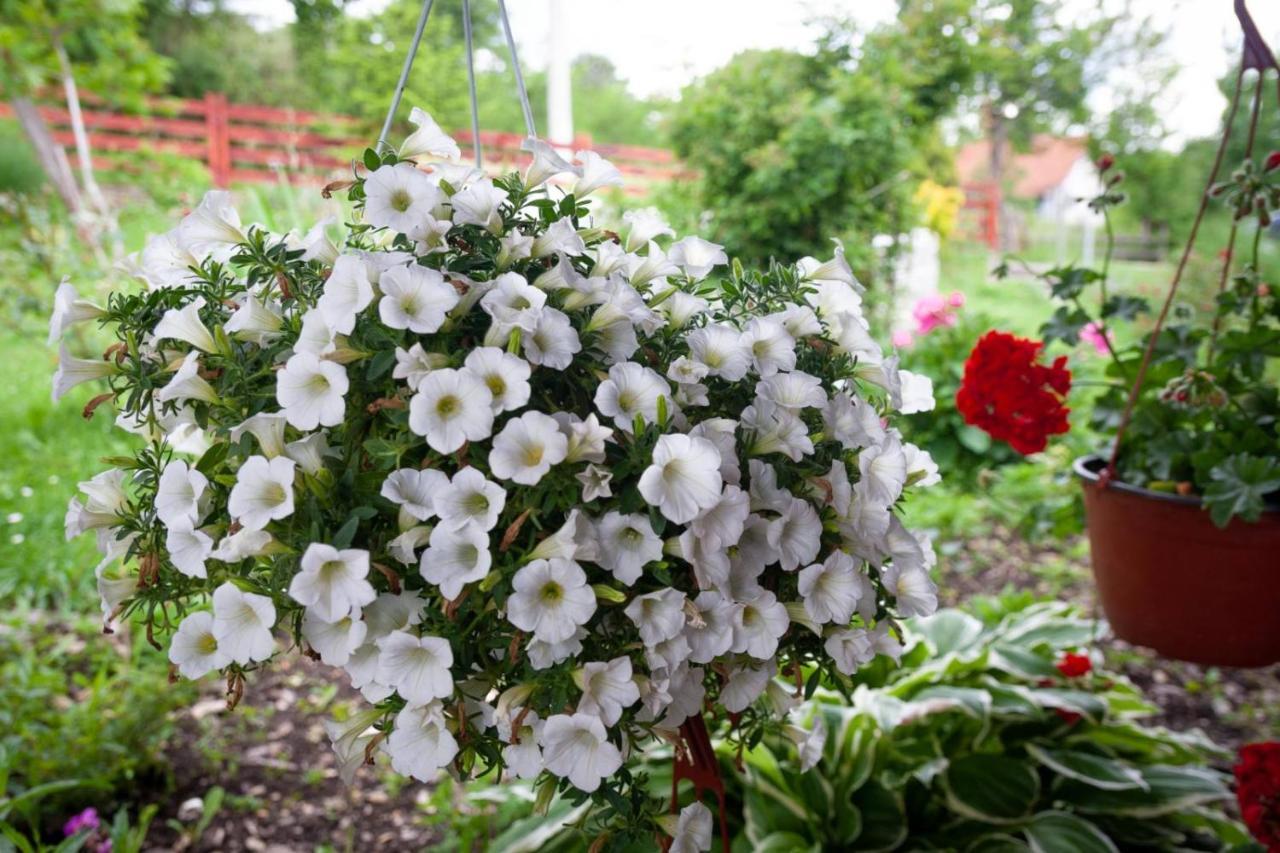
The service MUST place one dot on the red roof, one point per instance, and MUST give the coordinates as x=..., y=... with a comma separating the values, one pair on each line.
x=1033, y=173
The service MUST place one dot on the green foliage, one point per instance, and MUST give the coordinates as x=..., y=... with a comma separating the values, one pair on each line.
x=83, y=721
x=984, y=745
x=19, y=169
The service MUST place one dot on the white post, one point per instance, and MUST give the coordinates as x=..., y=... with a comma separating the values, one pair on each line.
x=559, y=78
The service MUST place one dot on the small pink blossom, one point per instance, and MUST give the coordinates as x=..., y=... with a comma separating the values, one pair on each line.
x=1095, y=336
x=935, y=310
x=903, y=338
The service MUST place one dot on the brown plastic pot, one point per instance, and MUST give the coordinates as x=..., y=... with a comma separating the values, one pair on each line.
x=1170, y=579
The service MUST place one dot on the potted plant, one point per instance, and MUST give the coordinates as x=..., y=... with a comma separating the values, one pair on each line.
x=1183, y=510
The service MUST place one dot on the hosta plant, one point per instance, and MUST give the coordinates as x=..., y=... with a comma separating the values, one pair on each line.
x=541, y=491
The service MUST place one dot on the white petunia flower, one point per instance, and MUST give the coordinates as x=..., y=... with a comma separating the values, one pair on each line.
x=69, y=309
x=74, y=371
x=242, y=623
x=576, y=747
x=835, y=270
x=185, y=325
x=213, y=228
x=332, y=583
x=575, y=540
x=317, y=336
x=505, y=375
x=882, y=471
x=627, y=544
x=415, y=298
x=178, y=494
x=469, y=498
x=921, y=469
x=917, y=393
x=722, y=432
x=851, y=421
x=417, y=667
x=479, y=204
x=404, y=547
x=771, y=346
x=312, y=391
x=186, y=384
x=607, y=689
x=560, y=238
x=398, y=197
x=420, y=744
x=720, y=526
x=681, y=307
x=792, y=391
x=585, y=435
x=810, y=743
x=722, y=349
x=547, y=162
x=595, y=482
x=522, y=755
x=164, y=262
x=693, y=830
x=350, y=740
x=413, y=364
x=758, y=624
x=263, y=491
x=746, y=684
x=849, y=648
x=194, y=649
x=595, y=173
x=776, y=430
x=513, y=303
x=658, y=616
x=429, y=140
x=654, y=267
x=347, y=291
x=631, y=390
x=450, y=408
x=455, y=557
x=553, y=342
x=188, y=549
x=255, y=321
x=684, y=478
x=414, y=490
x=309, y=452
x=697, y=257
x=515, y=247
x=241, y=546
x=798, y=320
x=550, y=598
x=544, y=655
x=796, y=534
x=527, y=447
x=334, y=641
x=642, y=226
x=710, y=632
x=831, y=589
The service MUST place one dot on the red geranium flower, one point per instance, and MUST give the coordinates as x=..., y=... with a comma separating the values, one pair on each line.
x=1258, y=790
x=1008, y=393
x=1272, y=162
x=1073, y=665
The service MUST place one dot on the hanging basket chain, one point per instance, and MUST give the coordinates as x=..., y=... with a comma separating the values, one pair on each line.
x=404, y=72
x=521, y=91
x=471, y=82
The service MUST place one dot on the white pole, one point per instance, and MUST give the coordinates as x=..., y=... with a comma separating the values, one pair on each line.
x=559, y=79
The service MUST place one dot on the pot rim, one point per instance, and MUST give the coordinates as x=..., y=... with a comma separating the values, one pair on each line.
x=1087, y=468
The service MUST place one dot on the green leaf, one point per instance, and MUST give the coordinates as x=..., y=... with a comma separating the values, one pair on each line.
x=1059, y=832
x=212, y=458
x=991, y=788
x=1169, y=789
x=884, y=818
x=1065, y=326
x=785, y=842
x=997, y=843
x=1095, y=770
x=948, y=631
x=1070, y=282
x=1124, y=307
x=346, y=532
x=1240, y=485
x=371, y=159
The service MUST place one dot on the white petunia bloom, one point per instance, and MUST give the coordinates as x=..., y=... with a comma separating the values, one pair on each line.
x=213, y=228
x=242, y=623
x=681, y=307
x=164, y=262
x=312, y=392
x=551, y=599
x=185, y=325
x=693, y=830
x=658, y=616
x=469, y=498
x=796, y=534
x=654, y=267
x=527, y=447
x=631, y=390
x=263, y=491
x=792, y=391
x=332, y=583
x=69, y=309
x=595, y=482
x=414, y=363
x=479, y=204
x=420, y=744
x=917, y=393
x=186, y=384
x=684, y=478
x=317, y=336
x=309, y=452
x=746, y=684
x=560, y=238
x=543, y=655
x=455, y=557
x=334, y=641
x=809, y=744
x=428, y=141
x=404, y=548
x=585, y=435
x=626, y=544
x=835, y=270
x=722, y=349
x=450, y=408
x=697, y=257
x=547, y=162
x=255, y=320
x=758, y=624
x=513, y=303
x=194, y=649
x=553, y=342
x=882, y=471
x=515, y=247
x=771, y=346
x=522, y=755
x=710, y=632
x=798, y=320
x=642, y=226
x=577, y=747
x=921, y=469
x=831, y=589
x=608, y=689
x=414, y=490
x=776, y=430
x=850, y=648
x=74, y=371
x=188, y=549
x=417, y=667
x=347, y=291
x=505, y=375
x=851, y=421
x=595, y=173
x=178, y=494
x=398, y=197
x=241, y=546
x=720, y=526
x=415, y=298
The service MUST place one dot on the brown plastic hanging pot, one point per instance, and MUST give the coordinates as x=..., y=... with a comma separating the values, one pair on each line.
x=1170, y=579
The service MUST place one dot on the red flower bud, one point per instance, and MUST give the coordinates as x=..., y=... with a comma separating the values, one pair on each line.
x=1105, y=162
x=1273, y=161
x=1074, y=666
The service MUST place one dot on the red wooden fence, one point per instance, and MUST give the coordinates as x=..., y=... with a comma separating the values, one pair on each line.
x=243, y=143
x=981, y=213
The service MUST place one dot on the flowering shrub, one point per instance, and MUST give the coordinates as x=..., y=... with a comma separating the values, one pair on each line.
x=544, y=491
x=1010, y=394
x=1258, y=791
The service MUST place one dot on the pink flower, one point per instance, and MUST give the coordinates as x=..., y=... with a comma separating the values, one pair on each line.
x=935, y=310
x=1095, y=336
x=85, y=820
x=903, y=338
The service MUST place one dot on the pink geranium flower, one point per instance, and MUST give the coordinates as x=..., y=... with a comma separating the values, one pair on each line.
x=1095, y=336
